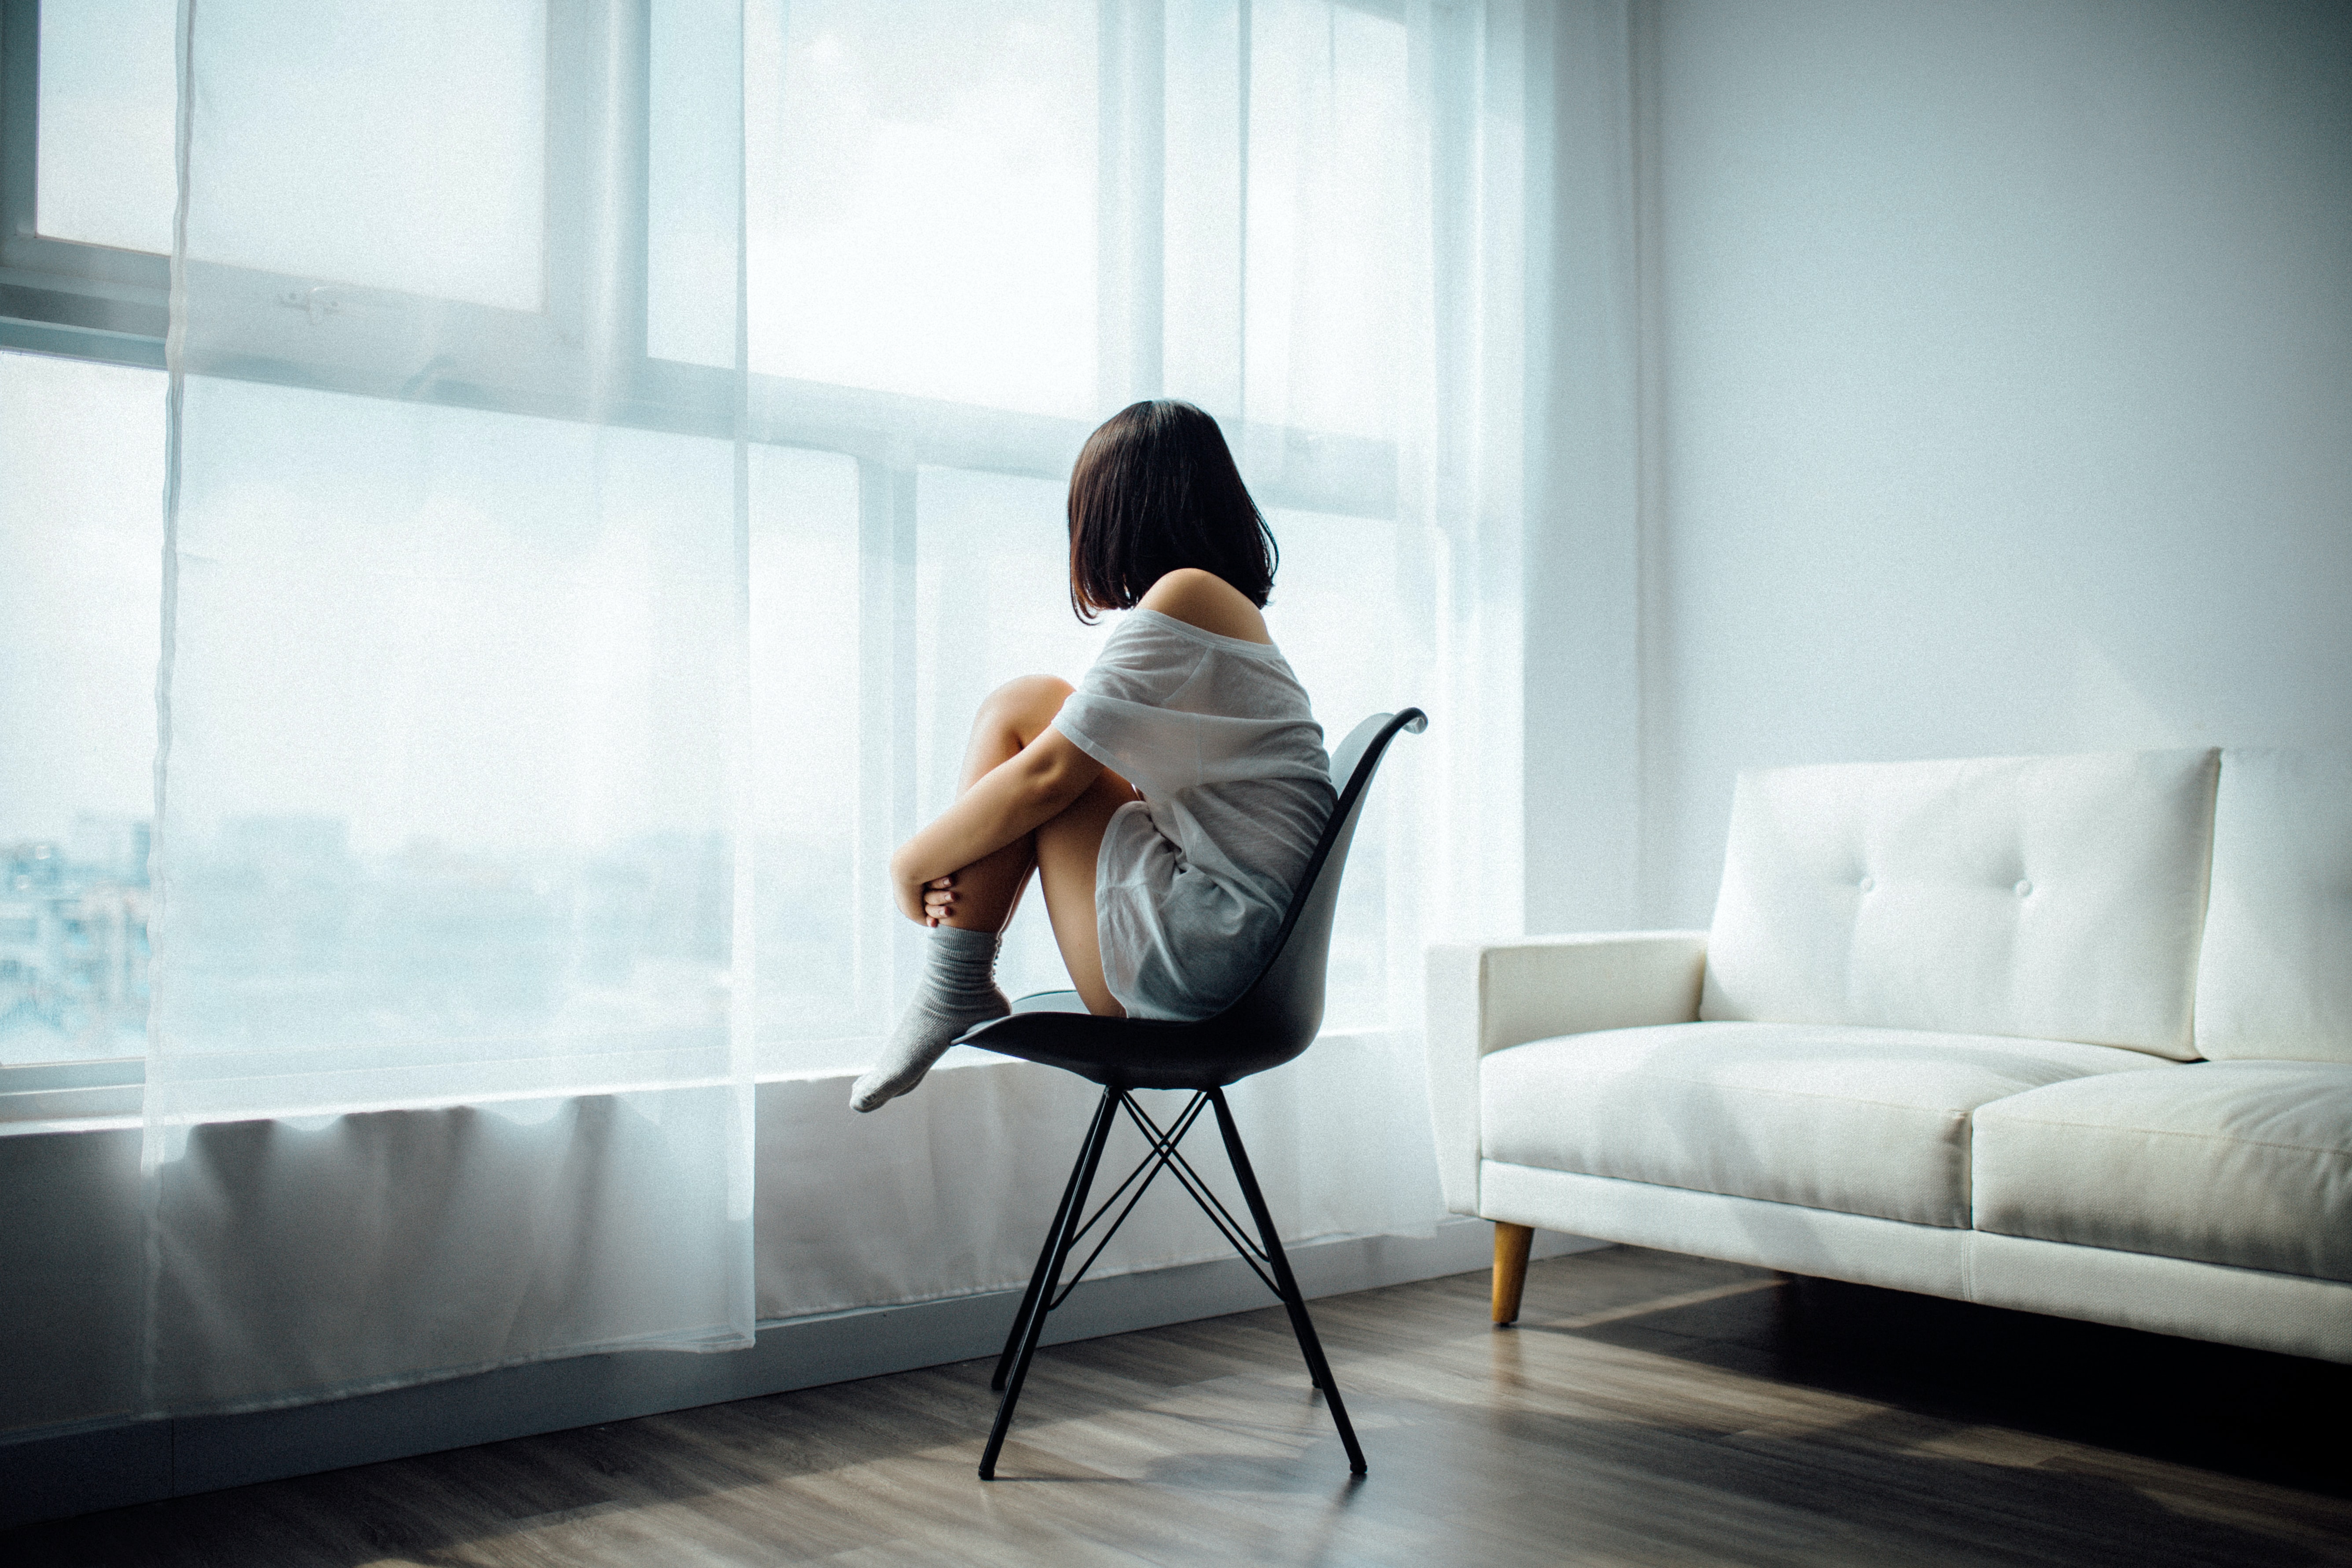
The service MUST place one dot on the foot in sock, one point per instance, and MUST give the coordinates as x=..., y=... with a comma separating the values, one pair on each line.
x=958, y=990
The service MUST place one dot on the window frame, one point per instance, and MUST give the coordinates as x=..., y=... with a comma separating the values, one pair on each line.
x=58, y=297
x=93, y=302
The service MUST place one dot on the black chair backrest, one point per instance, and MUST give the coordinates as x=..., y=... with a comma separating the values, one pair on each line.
x=1283, y=1008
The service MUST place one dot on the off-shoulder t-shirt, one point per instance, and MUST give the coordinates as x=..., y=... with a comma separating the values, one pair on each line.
x=1193, y=881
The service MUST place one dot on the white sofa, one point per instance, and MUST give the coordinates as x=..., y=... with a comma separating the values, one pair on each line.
x=2068, y=1033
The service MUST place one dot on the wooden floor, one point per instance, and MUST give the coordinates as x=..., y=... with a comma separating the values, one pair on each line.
x=1649, y=1409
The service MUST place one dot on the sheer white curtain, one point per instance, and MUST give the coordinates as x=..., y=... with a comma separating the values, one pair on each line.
x=447, y=1066
x=616, y=444
x=1001, y=223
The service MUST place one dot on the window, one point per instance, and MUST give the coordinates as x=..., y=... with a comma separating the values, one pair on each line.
x=922, y=217
x=104, y=105
x=974, y=231
x=365, y=109
x=81, y=467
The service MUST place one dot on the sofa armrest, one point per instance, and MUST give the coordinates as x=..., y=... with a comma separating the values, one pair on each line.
x=1485, y=996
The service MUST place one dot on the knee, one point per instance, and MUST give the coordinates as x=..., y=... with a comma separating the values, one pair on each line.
x=1027, y=703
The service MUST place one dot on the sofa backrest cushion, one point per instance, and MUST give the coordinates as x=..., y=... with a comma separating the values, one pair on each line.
x=2275, y=977
x=2058, y=897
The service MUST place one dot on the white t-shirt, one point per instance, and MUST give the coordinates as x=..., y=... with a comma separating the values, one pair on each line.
x=1193, y=879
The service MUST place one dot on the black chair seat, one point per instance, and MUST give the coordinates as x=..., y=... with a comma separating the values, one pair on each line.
x=1120, y=1053
x=1274, y=1020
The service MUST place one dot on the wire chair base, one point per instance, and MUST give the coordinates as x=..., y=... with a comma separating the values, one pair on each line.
x=1264, y=1256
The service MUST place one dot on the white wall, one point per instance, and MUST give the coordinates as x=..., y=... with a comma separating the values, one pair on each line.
x=2003, y=355
x=1583, y=723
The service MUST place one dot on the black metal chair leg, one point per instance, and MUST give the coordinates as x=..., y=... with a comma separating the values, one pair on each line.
x=1036, y=1278
x=1065, y=1235
x=1318, y=1367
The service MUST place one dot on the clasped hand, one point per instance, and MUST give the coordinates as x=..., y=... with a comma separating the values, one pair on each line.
x=928, y=903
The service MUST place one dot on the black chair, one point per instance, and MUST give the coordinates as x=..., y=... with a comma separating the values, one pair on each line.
x=1274, y=1020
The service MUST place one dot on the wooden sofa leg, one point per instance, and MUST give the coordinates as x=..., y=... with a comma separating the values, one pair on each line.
x=1511, y=1243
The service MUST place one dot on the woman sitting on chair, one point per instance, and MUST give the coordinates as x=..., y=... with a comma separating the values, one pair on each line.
x=1169, y=803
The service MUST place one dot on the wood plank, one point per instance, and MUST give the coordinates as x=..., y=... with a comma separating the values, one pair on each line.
x=1648, y=1408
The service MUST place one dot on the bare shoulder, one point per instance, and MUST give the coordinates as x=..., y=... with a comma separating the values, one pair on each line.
x=1207, y=601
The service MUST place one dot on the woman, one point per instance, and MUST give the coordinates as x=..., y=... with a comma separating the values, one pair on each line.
x=1168, y=804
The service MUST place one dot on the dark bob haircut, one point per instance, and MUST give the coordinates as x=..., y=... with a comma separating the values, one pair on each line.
x=1155, y=489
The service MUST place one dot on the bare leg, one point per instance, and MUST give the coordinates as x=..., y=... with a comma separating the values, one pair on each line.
x=988, y=891
x=1068, y=847
x=1064, y=850
x=959, y=985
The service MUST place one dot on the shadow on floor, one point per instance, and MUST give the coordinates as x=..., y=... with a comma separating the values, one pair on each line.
x=2246, y=1412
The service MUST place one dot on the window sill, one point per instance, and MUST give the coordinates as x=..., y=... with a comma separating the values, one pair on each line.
x=72, y=1097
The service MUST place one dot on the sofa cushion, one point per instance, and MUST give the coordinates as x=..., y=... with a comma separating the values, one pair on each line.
x=1867, y=1121
x=2055, y=898
x=2245, y=1164
x=2275, y=977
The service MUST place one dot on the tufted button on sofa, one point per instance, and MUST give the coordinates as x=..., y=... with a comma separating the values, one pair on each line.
x=2069, y=1034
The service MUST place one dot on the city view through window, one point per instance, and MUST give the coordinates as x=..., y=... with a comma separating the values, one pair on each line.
x=81, y=461
x=73, y=943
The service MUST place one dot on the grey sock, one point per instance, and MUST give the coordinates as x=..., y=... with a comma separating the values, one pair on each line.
x=958, y=990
